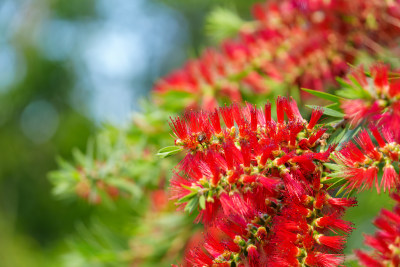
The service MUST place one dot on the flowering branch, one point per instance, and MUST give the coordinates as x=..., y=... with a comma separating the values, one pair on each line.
x=256, y=183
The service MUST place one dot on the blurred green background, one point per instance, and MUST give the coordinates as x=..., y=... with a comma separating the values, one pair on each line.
x=67, y=67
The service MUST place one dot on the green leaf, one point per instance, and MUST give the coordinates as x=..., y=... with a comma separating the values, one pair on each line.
x=338, y=183
x=353, y=90
x=202, y=202
x=338, y=137
x=334, y=106
x=191, y=205
x=168, y=151
x=343, y=83
x=323, y=95
x=328, y=111
x=356, y=83
x=190, y=188
x=187, y=197
x=342, y=188
x=333, y=166
x=331, y=180
x=337, y=174
x=351, y=193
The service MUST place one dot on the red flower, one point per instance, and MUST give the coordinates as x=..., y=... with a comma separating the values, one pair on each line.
x=360, y=167
x=304, y=43
x=259, y=182
x=385, y=243
x=379, y=102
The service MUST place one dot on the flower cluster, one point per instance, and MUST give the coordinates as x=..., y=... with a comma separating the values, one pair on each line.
x=386, y=241
x=376, y=98
x=300, y=43
x=360, y=166
x=259, y=187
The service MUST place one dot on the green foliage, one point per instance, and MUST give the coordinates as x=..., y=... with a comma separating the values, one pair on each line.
x=168, y=151
x=352, y=89
x=328, y=111
x=222, y=24
x=323, y=95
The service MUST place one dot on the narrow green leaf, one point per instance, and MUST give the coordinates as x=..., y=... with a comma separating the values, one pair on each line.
x=168, y=151
x=191, y=205
x=187, y=197
x=337, y=184
x=344, y=187
x=323, y=95
x=328, y=111
x=357, y=84
x=336, y=174
x=351, y=193
x=331, y=180
x=334, y=106
x=202, y=202
x=189, y=188
x=339, y=136
x=343, y=83
x=333, y=166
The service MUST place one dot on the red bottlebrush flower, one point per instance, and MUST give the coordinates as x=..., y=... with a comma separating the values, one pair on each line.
x=334, y=223
x=358, y=110
x=318, y=44
x=377, y=135
x=351, y=155
x=198, y=257
x=268, y=183
x=339, y=203
x=364, y=140
x=235, y=205
x=316, y=136
x=254, y=256
x=227, y=115
x=380, y=103
x=246, y=153
x=216, y=247
x=367, y=260
x=215, y=121
x=380, y=74
x=208, y=215
x=315, y=116
x=385, y=243
x=178, y=125
x=260, y=187
x=253, y=119
x=360, y=168
x=390, y=178
x=361, y=178
x=281, y=104
x=268, y=112
x=335, y=243
x=323, y=259
x=178, y=191
x=293, y=186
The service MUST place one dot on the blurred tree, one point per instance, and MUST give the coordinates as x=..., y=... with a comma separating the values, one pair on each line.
x=37, y=122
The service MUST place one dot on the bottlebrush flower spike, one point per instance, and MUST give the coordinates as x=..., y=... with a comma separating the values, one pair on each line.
x=360, y=166
x=380, y=94
x=385, y=243
x=258, y=182
x=304, y=43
